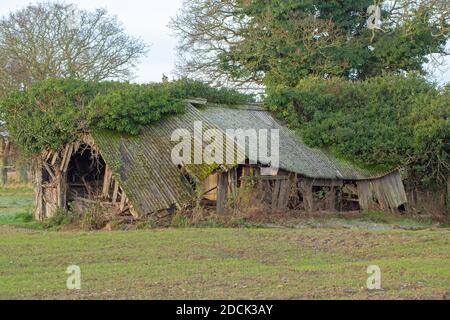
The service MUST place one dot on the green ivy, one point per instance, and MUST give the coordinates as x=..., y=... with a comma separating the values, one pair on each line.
x=54, y=112
x=381, y=123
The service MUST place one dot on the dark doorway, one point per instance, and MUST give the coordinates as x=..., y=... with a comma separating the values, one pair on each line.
x=85, y=174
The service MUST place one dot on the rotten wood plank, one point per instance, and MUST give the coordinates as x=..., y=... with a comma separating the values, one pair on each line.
x=222, y=188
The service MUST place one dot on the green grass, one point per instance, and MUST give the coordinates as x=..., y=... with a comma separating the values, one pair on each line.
x=327, y=259
x=16, y=189
x=16, y=204
x=225, y=263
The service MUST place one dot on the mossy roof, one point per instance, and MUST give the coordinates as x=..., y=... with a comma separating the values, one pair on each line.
x=295, y=156
x=143, y=164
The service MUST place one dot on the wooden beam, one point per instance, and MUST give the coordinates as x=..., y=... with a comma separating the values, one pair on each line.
x=307, y=192
x=38, y=192
x=67, y=149
x=49, y=170
x=327, y=183
x=283, y=198
x=364, y=195
x=106, y=182
x=55, y=157
x=123, y=200
x=115, y=192
x=222, y=188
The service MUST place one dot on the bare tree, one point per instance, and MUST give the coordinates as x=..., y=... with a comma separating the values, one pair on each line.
x=59, y=40
x=206, y=29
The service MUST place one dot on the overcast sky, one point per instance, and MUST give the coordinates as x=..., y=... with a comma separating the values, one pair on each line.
x=148, y=20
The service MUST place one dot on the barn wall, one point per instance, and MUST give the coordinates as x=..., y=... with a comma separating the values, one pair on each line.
x=386, y=193
x=284, y=191
x=209, y=187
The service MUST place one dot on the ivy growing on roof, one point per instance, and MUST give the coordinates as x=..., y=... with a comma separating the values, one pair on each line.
x=54, y=112
x=380, y=123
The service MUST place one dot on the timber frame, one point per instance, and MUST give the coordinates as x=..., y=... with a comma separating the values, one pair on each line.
x=53, y=190
x=280, y=192
x=291, y=191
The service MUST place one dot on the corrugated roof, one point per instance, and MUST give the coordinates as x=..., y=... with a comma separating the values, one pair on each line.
x=143, y=164
x=152, y=182
x=295, y=156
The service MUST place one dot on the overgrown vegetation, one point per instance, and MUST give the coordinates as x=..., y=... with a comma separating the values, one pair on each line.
x=282, y=41
x=62, y=217
x=380, y=123
x=53, y=112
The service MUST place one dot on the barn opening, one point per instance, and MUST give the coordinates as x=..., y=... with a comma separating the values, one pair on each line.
x=85, y=174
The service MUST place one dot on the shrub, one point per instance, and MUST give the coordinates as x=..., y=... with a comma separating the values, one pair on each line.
x=380, y=124
x=95, y=218
x=62, y=217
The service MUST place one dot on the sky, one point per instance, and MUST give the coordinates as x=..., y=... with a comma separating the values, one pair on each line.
x=148, y=19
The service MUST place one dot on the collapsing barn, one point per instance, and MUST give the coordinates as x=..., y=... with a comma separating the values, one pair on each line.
x=308, y=179
x=136, y=174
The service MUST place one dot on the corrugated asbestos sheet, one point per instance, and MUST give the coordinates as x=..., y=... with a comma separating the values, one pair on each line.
x=295, y=156
x=144, y=166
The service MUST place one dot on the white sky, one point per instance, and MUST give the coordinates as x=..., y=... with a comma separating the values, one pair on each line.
x=148, y=19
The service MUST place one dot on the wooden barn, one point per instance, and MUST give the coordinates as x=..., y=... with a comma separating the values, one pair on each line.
x=136, y=174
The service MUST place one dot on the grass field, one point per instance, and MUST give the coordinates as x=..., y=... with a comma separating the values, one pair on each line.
x=319, y=262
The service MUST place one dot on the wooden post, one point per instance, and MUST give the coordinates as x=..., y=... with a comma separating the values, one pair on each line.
x=285, y=189
x=275, y=195
x=222, y=189
x=364, y=195
x=38, y=192
x=332, y=199
x=307, y=191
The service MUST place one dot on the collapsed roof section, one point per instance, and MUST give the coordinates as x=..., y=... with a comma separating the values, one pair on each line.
x=144, y=167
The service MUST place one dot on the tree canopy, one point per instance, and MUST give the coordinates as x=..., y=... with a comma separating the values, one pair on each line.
x=283, y=41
